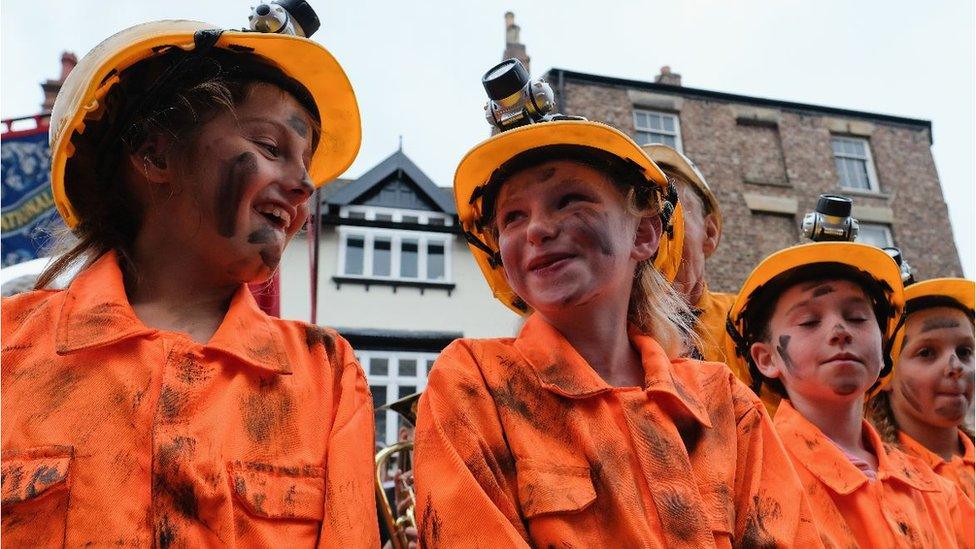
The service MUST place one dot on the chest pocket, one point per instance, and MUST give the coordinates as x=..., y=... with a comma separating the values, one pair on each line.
x=553, y=488
x=35, y=489
x=279, y=492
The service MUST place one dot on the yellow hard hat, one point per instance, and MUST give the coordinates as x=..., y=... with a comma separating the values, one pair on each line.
x=477, y=167
x=949, y=292
x=668, y=157
x=301, y=59
x=873, y=262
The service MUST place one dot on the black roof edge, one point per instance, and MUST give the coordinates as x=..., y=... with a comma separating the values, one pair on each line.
x=554, y=73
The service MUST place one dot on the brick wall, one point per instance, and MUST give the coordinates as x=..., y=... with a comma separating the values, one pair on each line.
x=768, y=165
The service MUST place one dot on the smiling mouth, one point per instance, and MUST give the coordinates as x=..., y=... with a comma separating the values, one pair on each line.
x=548, y=261
x=276, y=216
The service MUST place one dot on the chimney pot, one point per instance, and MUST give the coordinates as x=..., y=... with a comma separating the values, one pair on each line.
x=667, y=77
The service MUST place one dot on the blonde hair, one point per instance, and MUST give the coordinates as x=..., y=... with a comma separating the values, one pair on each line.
x=658, y=310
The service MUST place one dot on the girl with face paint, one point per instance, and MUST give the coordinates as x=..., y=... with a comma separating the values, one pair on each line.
x=815, y=330
x=183, y=160
x=587, y=429
x=924, y=409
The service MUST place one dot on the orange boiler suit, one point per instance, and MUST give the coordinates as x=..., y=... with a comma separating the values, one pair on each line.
x=520, y=442
x=713, y=310
x=907, y=506
x=959, y=469
x=115, y=433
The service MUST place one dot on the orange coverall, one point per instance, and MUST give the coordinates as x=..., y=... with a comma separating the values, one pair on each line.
x=710, y=327
x=520, y=442
x=959, y=469
x=115, y=433
x=907, y=506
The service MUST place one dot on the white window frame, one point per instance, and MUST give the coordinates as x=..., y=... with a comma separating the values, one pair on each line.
x=396, y=236
x=423, y=216
x=889, y=241
x=873, y=186
x=676, y=133
x=393, y=380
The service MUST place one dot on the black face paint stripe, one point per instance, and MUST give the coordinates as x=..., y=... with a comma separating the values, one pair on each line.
x=911, y=398
x=939, y=323
x=263, y=235
x=298, y=124
x=271, y=257
x=784, y=342
x=231, y=191
x=823, y=290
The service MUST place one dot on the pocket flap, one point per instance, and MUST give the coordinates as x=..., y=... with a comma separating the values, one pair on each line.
x=553, y=488
x=280, y=492
x=30, y=473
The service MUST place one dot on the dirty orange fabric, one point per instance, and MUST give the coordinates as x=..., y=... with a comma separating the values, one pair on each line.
x=714, y=310
x=114, y=433
x=959, y=469
x=908, y=506
x=520, y=442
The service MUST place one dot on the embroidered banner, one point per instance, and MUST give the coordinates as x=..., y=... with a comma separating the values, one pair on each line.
x=27, y=202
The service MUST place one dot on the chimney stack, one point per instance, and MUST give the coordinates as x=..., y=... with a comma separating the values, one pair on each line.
x=514, y=48
x=668, y=77
x=52, y=87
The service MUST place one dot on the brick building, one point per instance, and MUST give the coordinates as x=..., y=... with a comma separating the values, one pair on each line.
x=769, y=160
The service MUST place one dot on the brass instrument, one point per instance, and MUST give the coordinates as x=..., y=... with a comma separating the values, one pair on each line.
x=397, y=523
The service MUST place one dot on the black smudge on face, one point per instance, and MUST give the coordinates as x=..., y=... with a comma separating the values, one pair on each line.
x=227, y=203
x=784, y=342
x=270, y=257
x=264, y=235
x=939, y=323
x=545, y=174
x=908, y=391
x=298, y=124
x=595, y=228
x=823, y=290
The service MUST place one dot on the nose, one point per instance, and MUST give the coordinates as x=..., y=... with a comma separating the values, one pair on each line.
x=953, y=367
x=541, y=228
x=840, y=335
x=297, y=190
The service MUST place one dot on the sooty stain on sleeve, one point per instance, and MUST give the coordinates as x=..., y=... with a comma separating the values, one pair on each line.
x=756, y=534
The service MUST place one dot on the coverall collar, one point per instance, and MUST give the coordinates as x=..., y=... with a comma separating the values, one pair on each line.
x=563, y=371
x=932, y=459
x=826, y=461
x=96, y=313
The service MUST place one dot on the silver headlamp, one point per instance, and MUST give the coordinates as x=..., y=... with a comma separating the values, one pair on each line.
x=514, y=99
x=295, y=17
x=831, y=220
x=907, y=274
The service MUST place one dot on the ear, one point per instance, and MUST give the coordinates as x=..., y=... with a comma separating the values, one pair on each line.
x=152, y=160
x=762, y=355
x=712, y=235
x=647, y=238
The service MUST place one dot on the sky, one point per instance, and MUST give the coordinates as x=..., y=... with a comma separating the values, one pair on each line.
x=416, y=66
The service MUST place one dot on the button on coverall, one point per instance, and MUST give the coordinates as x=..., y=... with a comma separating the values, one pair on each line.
x=115, y=433
x=519, y=442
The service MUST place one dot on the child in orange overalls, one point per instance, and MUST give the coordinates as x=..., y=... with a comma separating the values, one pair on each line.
x=152, y=403
x=814, y=322
x=585, y=430
x=923, y=410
